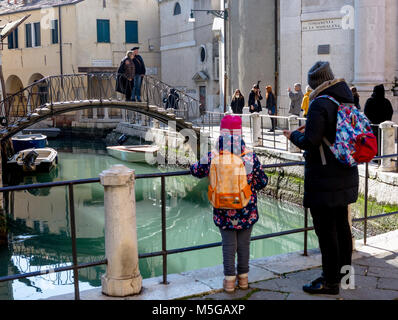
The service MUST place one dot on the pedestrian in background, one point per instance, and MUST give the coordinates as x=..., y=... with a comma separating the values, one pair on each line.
x=306, y=101
x=172, y=99
x=140, y=72
x=234, y=215
x=237, y=102
x=378, y=109
x=255, y=98
x=328, y=188
x=356, y=97
x=125, y=76
x=296, y=99
x=271, y=106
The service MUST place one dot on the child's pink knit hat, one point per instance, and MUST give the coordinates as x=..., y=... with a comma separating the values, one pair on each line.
x=231, y=123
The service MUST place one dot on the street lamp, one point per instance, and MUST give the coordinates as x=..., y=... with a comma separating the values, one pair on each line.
x=223, y=14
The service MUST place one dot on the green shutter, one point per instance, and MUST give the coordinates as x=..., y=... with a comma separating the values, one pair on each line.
x=37, y=34
x=131, y=28
x=103, y=32
x=54, y=31
x=16, y=38
x=11, y=41
x=28, y=35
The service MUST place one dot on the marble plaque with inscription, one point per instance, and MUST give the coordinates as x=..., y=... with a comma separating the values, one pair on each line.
x=324, y=24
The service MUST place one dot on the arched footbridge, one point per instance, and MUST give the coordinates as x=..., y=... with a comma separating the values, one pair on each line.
x=56, y=95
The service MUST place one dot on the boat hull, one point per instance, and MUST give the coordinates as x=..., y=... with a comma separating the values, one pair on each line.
x=139, y=154
x=49, y=132
x=28, y=141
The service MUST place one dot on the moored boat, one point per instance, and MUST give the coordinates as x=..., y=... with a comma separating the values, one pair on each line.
x=28, y=141
x=49, y=132
x=140, y=153
x=34, y=160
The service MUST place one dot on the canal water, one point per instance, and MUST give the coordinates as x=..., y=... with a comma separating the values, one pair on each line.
x=40, y=236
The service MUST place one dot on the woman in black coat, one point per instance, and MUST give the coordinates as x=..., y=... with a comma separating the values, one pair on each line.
x=378, y=109
x=255, y=98
x=330, y=188
x=125, y=76
x=238, y=102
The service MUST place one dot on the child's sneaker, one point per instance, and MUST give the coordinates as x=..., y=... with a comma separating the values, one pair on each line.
x=229, y=284
x=243, y=281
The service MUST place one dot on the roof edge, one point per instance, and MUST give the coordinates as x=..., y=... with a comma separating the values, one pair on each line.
x=34, y=9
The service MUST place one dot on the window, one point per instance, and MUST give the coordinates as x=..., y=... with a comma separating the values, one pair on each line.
x=13, y=40
x=32, y=35
x=177, y=9
x=131, y=31
x=103, y=32
x=54, y=31
x=202, y=54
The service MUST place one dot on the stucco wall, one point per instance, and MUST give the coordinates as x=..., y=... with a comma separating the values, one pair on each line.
x=180, y=47
x=252, y=44
x=79, y=37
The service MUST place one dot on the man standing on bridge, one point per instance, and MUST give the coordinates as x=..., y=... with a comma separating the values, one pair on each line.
x=140, y=71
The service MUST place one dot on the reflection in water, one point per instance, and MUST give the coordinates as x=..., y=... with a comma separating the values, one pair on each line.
x=40, y=229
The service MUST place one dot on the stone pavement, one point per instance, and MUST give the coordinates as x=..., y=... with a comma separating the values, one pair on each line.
x=279, y=278
x=376, y=278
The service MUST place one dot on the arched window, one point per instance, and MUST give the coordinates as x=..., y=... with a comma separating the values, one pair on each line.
x=177, y=9
x=202, y=53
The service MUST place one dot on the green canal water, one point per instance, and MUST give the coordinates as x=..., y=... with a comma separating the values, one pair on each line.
x=40, y=236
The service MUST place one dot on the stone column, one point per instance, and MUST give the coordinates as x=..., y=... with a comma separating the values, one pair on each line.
x=256, y=129
x=370, y=44
x=293, y=126
x=156, y=124
x=106, y=114
x=387, y=146
x=122, y=276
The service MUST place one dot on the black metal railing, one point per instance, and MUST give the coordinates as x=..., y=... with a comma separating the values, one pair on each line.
x=165, y=252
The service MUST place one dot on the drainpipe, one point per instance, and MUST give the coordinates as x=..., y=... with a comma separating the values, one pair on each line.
x=60, y=42
x=276, y=54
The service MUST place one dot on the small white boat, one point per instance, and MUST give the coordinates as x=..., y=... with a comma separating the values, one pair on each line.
x=141, y=153
x=34, y=160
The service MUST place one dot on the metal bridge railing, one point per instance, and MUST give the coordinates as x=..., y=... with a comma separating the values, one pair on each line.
x=57, y=90
x=165, y=252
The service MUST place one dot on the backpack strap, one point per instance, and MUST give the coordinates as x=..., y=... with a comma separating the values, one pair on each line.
x=326, y=141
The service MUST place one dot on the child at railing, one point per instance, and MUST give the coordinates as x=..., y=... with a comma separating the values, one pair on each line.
x=235, y=176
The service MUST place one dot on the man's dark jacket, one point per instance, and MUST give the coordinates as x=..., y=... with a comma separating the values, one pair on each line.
x=332, y=185
x=139, y=65
x=378, y=109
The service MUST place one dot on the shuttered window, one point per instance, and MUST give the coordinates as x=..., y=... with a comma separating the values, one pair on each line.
x=32, y=35
x=103, y=31
x=131, y=31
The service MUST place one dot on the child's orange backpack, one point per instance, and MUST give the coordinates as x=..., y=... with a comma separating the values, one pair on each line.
x=228, y=187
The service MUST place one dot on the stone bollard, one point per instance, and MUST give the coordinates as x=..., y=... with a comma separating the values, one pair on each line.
x=122, y=276
x=246, y=117
x=293, y=125
x=387, y=146
x=256, y=129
